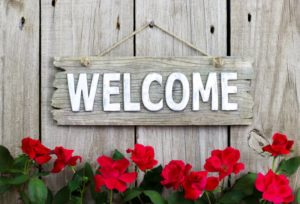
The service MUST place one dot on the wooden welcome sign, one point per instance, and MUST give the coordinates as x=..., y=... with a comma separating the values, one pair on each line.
x=152, y=91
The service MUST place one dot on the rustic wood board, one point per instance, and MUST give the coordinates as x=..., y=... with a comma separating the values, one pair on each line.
x=191, y=20
x=19, y=75
x=82, y=28
x=268, y=31
x=139, y=67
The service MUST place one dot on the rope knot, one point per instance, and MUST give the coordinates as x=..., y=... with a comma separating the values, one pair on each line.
x=85, y=61
x=218, y=62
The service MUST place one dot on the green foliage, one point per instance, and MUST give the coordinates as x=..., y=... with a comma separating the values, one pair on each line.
x=62, y=196
x=24, y=197
x=6, y=160
x=289, y=167
x=19, y=164
x=155, y=197
x=178, y=198
x=152, y=180
x=297, y=199
x=49, y=197
x=243, y=189
x=37, y=191
x=75, y=189
x=117, y=155
x=130, y=194
x=206, y=198
x=12, y=171
x=17, y=180
x=4, y=187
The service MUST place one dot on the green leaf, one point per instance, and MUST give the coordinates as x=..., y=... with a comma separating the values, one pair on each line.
x=117, y=155
x=232, y=197
x=18, y=180
x=206, y=198
x=37, y=191
x=178, y=198
x=21, y=161
x=152, y=180
x=100, y=197
x=24, y=198
x=155, y=197
x=131, y=194
x=75, y=183
x=246, y=184
x=38, y=174
x=4, y=187
x=243, y=188
x=62, y=196
x=6, y=160
x=298, y=196
x=49, y=197
x=88, y=171
x=251, y=200
x=75, y=200
x=289, y=167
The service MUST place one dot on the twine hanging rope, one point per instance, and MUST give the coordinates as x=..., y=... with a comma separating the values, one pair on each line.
x=151, y=25
x=217, y=61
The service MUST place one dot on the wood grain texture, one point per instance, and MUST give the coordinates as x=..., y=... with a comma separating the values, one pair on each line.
x=139, y=67
x=76, y=28
x=191, y=20
x=19, y=75
x=271, y=36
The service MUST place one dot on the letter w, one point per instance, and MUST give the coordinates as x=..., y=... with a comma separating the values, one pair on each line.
x=82, y=87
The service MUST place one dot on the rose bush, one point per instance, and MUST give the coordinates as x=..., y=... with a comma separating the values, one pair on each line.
x=115, y=179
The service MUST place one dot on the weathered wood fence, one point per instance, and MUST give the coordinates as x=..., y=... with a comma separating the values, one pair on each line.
x=32, y=32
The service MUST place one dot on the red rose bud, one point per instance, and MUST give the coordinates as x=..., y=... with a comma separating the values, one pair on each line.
x=212, y=183
x=113, y=174
x=194, y=184
x=64, y=158
x=35, y=150
x=280, y=145
x=275, y=188
x=224, y=162
x=143, y=156
x=174, y=174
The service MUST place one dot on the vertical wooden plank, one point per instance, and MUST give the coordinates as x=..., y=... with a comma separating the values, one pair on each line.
x=79, y=28
x=268, y=31
x=19, y=75
x=192, y=21
x=19, y=49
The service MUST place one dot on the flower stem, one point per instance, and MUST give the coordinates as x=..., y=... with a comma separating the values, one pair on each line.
x=273, y=164
x=73, y=169
x=82, y=192
x=111, y=197
x=209, y=202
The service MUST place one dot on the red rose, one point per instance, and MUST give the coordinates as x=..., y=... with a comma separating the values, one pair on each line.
x=174, y=173
x=224, y=162
x=113, y=174
x=275, y=188
x=280, y=145
x=143, y=156
x=35, y=150
x=64, y=158
x=212, y=183
x=194, y=184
